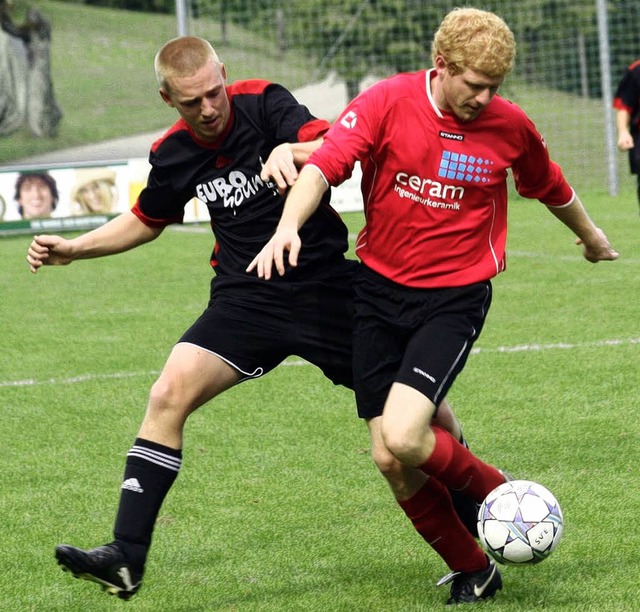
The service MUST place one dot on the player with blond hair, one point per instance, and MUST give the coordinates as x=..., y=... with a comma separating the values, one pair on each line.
x=435, y=147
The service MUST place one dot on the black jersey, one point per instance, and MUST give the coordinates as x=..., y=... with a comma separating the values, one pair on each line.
x=225, y=176
x=627, y=96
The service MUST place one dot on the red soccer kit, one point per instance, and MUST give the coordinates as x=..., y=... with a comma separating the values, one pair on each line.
x=434, y=187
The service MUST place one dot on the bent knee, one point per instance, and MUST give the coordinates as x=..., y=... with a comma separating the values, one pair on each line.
x=169, y=395
x=408, y=446
x=403, y=480
x=387, y=463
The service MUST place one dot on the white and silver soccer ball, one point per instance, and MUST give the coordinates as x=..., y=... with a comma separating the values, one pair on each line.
x=520, y=522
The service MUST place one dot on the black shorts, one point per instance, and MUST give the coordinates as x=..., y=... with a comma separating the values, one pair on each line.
x=634, y=156
x=254, y=324
x=418, y=337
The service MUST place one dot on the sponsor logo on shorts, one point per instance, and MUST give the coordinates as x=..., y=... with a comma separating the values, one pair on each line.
x=424, y=374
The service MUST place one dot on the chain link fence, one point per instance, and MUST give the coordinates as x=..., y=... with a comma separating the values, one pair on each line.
x=570, y=56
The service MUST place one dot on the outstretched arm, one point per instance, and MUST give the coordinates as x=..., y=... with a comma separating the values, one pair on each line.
x=302, y=201
x=593, y=239
x=122, y=233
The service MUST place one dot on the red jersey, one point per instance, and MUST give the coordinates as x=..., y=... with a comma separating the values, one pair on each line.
x=434, y=187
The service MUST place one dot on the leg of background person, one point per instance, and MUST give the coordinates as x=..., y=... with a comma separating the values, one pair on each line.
x=446, y=419
x=428, y=505
x=408, y=433
x=466, y=508
x=190, y=378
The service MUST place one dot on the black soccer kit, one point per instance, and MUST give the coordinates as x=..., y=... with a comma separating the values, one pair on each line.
x=251, y=323
x=627, y=97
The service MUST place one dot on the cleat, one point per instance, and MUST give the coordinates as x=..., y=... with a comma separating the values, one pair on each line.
x=105, y=565
x=472, y=587
x=507, y=476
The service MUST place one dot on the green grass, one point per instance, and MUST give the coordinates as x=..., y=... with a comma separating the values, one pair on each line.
x=278, y=506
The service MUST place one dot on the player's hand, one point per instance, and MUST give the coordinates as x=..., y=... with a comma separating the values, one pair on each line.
x=599, y=249
x=625, y=141
x=273, y=253
x=280, y=168
x=48, y=251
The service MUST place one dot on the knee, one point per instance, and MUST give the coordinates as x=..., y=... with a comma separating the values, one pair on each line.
x=386, y=462
x=404, y=481
x=409, y=445
x=167, y=396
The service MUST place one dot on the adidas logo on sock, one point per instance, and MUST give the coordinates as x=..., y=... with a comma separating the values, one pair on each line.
x=132, y=484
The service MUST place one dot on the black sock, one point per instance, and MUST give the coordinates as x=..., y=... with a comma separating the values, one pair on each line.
x=150, y=471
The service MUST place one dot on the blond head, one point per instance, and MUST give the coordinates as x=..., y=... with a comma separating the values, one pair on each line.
x=182, y=56
x=469, y=38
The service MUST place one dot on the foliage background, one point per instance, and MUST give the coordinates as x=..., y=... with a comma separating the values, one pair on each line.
x=102, y=62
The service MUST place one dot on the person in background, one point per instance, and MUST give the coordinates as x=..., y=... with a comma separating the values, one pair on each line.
x=435, y=147
x=36, y=195
x=95, y=191
x=237, y=148
x=627, y=107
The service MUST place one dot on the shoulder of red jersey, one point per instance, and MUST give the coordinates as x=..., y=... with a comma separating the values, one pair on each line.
x=507, y=108
x=248, y=86
x=504, y=112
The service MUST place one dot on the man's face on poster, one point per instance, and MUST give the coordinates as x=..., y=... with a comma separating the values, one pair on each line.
x=35, y=198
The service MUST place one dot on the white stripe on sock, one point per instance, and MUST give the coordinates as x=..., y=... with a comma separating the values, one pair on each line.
x=153, y=456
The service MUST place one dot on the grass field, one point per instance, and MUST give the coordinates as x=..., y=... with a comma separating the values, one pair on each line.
x=278, y=507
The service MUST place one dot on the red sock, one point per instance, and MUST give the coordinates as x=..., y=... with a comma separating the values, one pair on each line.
x=459, y=469
x=432, y=514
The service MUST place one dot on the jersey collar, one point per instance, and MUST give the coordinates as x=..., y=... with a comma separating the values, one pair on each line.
x=429, y=75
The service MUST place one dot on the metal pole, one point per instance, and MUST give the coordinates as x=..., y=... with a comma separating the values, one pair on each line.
x=607, y=96
x=181, y=17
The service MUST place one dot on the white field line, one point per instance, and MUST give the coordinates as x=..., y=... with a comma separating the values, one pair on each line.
x=519, y=348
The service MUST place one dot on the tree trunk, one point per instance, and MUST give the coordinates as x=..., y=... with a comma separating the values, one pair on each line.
x=26, y=88
x=43, y=112
x=13, y=87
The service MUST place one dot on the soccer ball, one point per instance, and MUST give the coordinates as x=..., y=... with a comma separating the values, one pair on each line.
x=520, y=522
